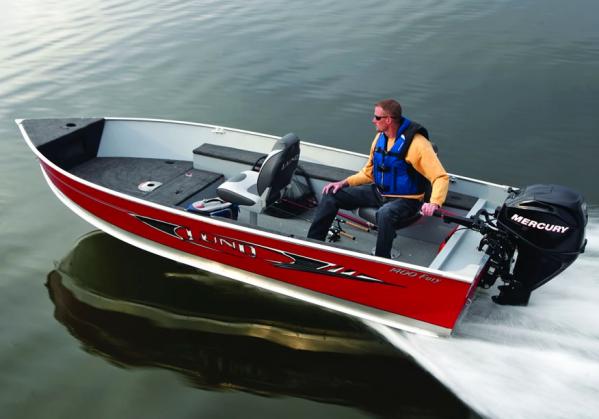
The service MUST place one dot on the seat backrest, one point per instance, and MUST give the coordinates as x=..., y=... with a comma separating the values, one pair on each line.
x=278, y=167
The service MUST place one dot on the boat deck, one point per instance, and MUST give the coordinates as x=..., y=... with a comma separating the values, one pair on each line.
x=181, y=184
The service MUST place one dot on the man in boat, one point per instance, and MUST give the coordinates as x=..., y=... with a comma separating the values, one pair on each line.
x=402, y=161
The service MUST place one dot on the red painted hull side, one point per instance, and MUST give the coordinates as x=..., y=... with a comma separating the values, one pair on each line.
x=407, y=292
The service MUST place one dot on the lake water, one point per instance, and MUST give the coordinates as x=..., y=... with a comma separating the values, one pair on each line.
x=509, y=91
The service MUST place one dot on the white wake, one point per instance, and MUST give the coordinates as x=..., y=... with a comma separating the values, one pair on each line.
x=540, y=361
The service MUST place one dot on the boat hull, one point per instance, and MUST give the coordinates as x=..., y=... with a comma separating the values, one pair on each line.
x=424, y=296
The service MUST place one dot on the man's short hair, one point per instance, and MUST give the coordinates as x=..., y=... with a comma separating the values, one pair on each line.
x=392, y=107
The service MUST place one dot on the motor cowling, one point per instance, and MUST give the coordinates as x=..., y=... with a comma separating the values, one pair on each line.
x=546, y=224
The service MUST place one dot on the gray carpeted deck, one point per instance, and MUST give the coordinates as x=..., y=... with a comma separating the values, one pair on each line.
x=180, y=181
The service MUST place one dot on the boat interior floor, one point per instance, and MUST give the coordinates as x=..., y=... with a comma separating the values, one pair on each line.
x=176, y=184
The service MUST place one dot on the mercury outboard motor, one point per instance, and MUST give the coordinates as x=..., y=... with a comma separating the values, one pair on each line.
x=536, y=234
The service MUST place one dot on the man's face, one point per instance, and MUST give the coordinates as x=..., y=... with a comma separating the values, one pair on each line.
x=381, y=119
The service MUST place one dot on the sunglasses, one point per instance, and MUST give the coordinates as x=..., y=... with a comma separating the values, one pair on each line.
x=379, y=117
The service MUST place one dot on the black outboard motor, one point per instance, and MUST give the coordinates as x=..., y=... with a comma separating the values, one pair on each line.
x=546, y=223
x=536, y=234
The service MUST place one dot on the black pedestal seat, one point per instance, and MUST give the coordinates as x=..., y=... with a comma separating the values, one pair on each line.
x=260, y=189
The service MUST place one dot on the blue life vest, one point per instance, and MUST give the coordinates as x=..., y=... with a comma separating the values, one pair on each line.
x=392, y=174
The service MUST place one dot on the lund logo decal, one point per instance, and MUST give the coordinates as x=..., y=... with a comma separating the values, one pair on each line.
x=554, y=228
x=205, y=240
x=276, y=257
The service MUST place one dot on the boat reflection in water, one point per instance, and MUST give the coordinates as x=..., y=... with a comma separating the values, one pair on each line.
x=137, y=310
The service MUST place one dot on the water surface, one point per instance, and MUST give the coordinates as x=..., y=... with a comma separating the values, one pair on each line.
x=508, y=90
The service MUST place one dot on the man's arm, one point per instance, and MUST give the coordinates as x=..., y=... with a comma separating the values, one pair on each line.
x=424, y=159
x=362, y=177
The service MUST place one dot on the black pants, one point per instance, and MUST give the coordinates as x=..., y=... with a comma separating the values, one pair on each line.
x=389, y=215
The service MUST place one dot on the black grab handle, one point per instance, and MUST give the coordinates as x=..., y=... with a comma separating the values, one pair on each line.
x=464, y=221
